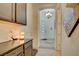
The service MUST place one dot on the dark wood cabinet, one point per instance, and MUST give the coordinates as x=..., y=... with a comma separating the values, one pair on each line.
x=16, y=48
x=28, y=49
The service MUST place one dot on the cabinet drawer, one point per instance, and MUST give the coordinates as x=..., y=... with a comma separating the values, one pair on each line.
x=28, y=44
x=15, y=52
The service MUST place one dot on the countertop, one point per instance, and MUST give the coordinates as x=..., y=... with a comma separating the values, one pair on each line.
x=5, y=47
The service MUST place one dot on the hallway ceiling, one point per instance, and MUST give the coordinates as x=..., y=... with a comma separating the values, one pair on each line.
x=45, y=5
x=72, y=4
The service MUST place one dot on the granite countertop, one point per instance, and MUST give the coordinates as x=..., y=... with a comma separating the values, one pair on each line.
x=5, y=47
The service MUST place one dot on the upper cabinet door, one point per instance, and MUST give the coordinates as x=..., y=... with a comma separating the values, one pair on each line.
x=6, y=11
x=20, y=9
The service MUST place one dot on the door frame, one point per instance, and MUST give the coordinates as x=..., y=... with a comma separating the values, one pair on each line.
x=39, y=24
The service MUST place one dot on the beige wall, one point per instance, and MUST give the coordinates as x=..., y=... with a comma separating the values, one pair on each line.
x=29, y=18
x=6, y=27
x=31, y=30
x=70, y=45
x=32, y=24
x=35, y=26
x=58, y=30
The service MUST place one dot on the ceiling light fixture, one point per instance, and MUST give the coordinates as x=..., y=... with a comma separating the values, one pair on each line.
x=48, y=14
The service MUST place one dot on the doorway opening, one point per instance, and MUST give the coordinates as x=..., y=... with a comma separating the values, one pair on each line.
x=46, y=31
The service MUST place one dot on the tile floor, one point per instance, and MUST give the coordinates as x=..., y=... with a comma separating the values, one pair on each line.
x=46, y=48
x=45, y=52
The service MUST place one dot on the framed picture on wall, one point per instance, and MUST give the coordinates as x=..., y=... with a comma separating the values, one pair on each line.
x=70, y=20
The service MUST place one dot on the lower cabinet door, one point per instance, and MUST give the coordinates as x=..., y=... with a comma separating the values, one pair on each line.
x=20, y=54
x=28, y=51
